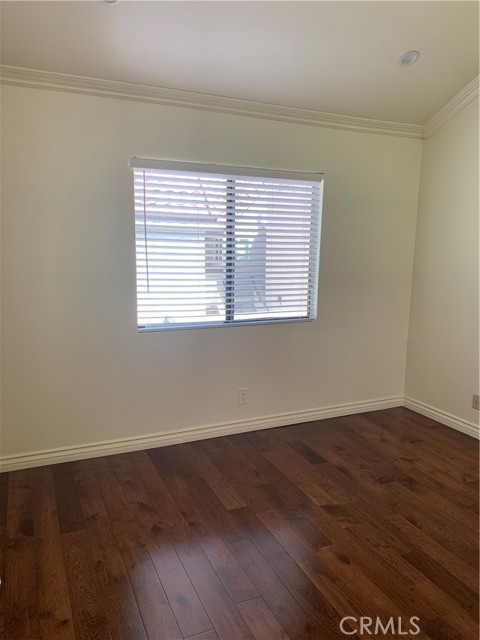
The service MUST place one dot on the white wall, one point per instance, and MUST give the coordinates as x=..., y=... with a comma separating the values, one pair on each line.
x=443, y=348
x=76, y=371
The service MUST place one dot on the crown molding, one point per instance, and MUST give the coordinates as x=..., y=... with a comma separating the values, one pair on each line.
x=35, y=78
x=454, y=106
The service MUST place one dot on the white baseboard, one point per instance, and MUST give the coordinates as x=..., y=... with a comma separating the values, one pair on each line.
x=123, y=445
x=470, y=428
x=136, y=443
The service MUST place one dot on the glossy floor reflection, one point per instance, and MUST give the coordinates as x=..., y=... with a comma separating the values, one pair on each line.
x=273, y=534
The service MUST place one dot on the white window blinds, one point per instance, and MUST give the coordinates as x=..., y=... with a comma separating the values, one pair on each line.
x=224, y=245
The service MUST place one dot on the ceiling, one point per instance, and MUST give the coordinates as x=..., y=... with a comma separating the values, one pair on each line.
x=335, y=57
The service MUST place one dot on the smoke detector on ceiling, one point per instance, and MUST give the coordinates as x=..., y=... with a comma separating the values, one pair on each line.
x=409, y=58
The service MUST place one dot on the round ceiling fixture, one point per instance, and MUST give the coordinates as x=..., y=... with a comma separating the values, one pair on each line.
x=409, y=58
x=111, y=1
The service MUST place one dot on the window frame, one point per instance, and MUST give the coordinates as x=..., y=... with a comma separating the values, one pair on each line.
x=247, y=172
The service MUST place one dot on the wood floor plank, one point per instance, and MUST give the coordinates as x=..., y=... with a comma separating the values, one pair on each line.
x=265, y=535
x=183, y=598
x=341, y=600
x=125, y=622
x=221, y=610
x=317, y=607
x=270, y=438
x=184, y=601
x=3, y=545
x=292, y=466
x=225, y=493
x=113, y=497
x=419, y=482
x=355, y=582
x=157, y=615
x=178, y=464
x=429, y=520
x=211, y=512
x=233, y=577
x=443, y=439
x=88, y=615
x=261, y=621
x=291, y=617
x=402, y=584
x=445, y=454
x=417, y=539
x=447, y=582
x=352, y=476
x=56, y=618
x=278, y=490
x=304, y=450
x=3, y=498
x=240, y=474
x=305, y=528
x=155, y=609
x=460, y=519
x=19, y=584
x=69, y=511
x=158, y=496
x=206, y=635
x=273, y=552
x=431, y=466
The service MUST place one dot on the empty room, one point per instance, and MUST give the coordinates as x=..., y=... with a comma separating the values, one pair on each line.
x=239, y=320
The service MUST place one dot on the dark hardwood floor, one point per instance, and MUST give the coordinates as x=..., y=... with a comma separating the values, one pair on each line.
x=267, y=535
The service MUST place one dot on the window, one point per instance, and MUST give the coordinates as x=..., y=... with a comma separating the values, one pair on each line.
x=224, y=245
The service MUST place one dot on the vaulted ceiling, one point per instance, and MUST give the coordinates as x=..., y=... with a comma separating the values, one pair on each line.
x=336, y=57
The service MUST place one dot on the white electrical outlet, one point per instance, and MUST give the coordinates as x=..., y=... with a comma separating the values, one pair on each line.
x=475, y=402
x=243, y=395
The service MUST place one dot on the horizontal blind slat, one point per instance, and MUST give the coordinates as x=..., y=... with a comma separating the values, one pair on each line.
x=218, y=247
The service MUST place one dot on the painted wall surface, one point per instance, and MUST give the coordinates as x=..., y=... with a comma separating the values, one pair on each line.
x=443, y=349
x=76, y=371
